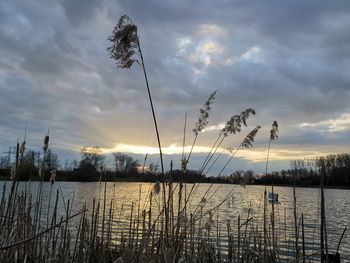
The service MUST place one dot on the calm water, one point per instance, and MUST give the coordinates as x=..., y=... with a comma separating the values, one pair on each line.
x=241, y=202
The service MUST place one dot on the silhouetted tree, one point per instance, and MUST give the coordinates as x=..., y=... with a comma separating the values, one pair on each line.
x=91, y=158
x=4, y=162
x=74, y=164
x=51, y=161
x=153, y=168
x=124, y=163
x=27, y=168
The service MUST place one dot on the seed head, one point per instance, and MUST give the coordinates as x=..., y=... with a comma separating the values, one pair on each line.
x=274, y=131
x=234, y=125
x=22, y=148
x=156, y=188
x=125, y=43
x=249, y=139
x=53, y=177
x=46, y=143
x=204, y=114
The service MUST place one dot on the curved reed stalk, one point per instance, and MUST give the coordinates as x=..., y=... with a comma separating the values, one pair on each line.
x=246, y=143
x=126, y=46
x=233, y=126
x=273, y=137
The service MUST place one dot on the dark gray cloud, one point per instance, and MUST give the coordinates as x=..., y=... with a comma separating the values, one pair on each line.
x=288, y=60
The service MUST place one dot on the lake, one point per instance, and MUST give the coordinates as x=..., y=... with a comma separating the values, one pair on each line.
x=246, y=202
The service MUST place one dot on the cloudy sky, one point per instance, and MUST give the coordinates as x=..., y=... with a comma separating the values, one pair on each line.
x=289, y=60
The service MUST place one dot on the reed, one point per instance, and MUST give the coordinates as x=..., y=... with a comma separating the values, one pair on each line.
x=246, y=143
x=202, y=121
x=232, y=126
x=126, y=50
x=273, y=137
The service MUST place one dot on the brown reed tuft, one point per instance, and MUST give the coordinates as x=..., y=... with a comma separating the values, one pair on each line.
x=274, y=131
x=53, y=176
x=234, y=125
x=125, y=43
x=249, y=139
x=204, y=114
x=156, y=187
x=46, y=143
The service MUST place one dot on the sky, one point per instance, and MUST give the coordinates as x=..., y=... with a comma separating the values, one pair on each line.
x=288, y=60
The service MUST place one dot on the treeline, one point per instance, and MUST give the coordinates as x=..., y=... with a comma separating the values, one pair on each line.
x=29, y=163
x=334, y=167
x=91, y=167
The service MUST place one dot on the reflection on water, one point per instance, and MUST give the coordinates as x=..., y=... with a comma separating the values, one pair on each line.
x=246, y=202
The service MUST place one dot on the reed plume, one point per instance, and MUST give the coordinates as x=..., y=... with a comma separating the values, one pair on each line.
x=53, y=176
x=125, y=43
x=249, y=139
x=274, y=131
x=246, y=143
x=46, y=143
x=201, y=123
x=204, y=114
x=232, y=126
x=156, y=188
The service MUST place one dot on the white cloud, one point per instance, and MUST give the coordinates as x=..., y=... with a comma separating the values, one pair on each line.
x=202, y=48
x=211, y=30
x=253, y=54
x=216, y=127
x=205, y=52
x=338, y=124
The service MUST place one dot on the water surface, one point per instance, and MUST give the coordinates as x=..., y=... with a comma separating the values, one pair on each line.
x=244, y=202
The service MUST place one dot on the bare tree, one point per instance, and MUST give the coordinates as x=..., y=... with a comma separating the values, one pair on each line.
x=124, y=163
x=51, y=160
x=92, y=158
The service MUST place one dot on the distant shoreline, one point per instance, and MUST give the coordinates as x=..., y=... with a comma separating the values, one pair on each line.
x=310, y=186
